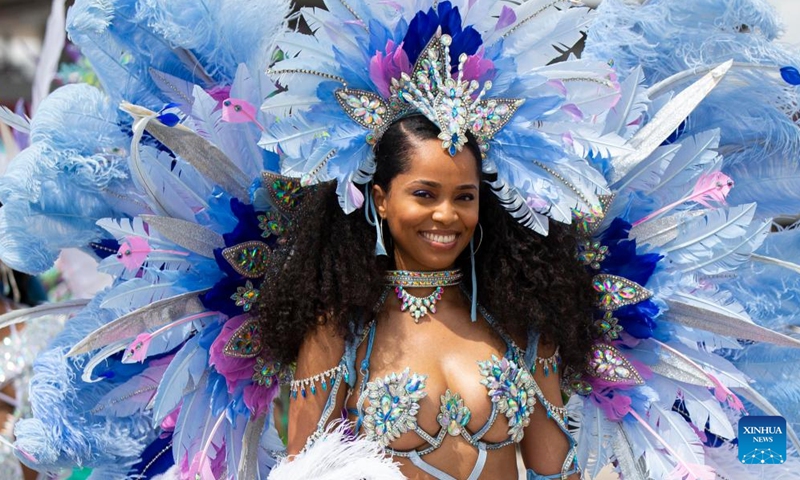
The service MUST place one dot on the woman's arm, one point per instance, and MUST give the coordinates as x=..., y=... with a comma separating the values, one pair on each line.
x=321, y=351
x=546, y=446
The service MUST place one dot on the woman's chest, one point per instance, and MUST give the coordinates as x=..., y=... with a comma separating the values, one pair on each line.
x=416, y=389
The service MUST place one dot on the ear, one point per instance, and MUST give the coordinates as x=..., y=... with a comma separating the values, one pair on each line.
x=379, y=196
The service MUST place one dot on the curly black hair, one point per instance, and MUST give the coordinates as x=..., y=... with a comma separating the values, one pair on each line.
x=333, y=275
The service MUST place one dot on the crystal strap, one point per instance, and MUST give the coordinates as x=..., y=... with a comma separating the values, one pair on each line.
x=310, y=383
x=409, y=279
x=550, y=363
x=553, y=410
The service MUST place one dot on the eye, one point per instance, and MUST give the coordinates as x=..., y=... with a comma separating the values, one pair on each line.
x=422, y=194
x=467, y=196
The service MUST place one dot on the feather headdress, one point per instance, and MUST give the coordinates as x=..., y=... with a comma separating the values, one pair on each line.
x=669, y=188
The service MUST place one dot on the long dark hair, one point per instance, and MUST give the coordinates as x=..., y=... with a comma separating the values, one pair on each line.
x=333, y=275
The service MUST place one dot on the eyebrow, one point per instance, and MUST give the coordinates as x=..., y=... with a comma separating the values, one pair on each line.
x=432, y=184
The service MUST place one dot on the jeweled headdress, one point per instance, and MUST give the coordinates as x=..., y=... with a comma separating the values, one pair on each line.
x=353, y=79
x=454, y=104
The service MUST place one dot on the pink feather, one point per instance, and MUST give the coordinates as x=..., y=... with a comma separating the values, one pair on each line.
x=204, y=465
x=137, y=351
x=133, y=253
x=385, y=66
x=615, y=405
x=712, y=187
x=236, y=110
x=356, y=197
x=507, y=17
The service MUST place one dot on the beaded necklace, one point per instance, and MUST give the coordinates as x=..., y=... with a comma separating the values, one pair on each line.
x=418, y=307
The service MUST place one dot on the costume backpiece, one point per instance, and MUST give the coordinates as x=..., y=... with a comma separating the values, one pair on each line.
x=670, y=144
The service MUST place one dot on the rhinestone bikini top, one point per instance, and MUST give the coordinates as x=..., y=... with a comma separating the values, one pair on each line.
x=393, y=404
x=387, y=407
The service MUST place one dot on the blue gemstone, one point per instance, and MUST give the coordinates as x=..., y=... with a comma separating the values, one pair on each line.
x=364, y=364
x=313, y=389
x=294, y=393
x=325, y=385
x=303, y=392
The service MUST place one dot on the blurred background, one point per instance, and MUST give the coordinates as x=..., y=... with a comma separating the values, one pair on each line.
x=22, y=26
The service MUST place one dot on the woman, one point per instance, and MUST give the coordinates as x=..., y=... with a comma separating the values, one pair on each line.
x=335, y=290
x=178, y=365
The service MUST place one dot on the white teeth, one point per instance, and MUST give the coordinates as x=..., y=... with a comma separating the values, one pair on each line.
x=440, y=238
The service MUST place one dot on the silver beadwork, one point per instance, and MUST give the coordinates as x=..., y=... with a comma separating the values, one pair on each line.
x=304, y=385
x=455, y=105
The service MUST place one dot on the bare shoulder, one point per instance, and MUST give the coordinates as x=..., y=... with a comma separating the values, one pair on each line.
x=321, y=349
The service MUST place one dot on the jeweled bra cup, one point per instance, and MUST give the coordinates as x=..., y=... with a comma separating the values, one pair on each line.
x=393, y=406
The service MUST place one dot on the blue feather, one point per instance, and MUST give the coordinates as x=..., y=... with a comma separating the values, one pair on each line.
x=181, y=377
x=63, y=432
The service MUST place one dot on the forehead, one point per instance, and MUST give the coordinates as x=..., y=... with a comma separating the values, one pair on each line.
x=429, y=161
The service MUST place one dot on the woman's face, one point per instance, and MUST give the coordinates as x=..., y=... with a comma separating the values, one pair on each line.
x=432, y=208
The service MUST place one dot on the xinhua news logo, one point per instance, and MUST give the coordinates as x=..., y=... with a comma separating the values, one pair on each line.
x=762, y=440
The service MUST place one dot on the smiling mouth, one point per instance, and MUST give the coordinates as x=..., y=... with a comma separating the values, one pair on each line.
x=439, y=238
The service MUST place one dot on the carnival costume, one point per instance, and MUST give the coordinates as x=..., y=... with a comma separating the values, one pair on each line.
x=656, y=144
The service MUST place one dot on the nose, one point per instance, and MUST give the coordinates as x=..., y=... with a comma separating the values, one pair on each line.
x=445, y=213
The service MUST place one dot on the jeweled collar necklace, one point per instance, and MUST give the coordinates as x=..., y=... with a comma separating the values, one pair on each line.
x=418, y=307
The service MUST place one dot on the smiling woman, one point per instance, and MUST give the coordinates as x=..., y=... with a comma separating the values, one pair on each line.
x=431, y=205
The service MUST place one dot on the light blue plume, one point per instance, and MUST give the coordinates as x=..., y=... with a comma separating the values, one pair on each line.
x=771, y=293
x=773, y=370
x=666, y=37
x=222, y=34
x=78, y=105
x=697, y=155
x=704, y=408
x=133, y=396
x=725, y=256
x=148, y=170
x=699, y=237
x=63, y=433
x=773, y=184
x=115, y=47
x=55, y=197
x=547, y=36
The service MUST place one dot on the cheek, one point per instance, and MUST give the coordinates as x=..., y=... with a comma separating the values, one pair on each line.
x=471, y=216
x=405, y=217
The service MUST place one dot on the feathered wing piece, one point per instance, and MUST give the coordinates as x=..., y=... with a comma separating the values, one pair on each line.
x=695, y=286
x=168, y=194
x=166, y=373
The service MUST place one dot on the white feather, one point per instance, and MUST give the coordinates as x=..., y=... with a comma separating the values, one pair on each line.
x=335, y=456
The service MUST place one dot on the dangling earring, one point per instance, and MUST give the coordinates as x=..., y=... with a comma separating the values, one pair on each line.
x=473, y=314
x=371, y=214
x=480, y=242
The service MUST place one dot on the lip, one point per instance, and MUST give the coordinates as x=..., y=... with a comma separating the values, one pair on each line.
x=427, y=237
